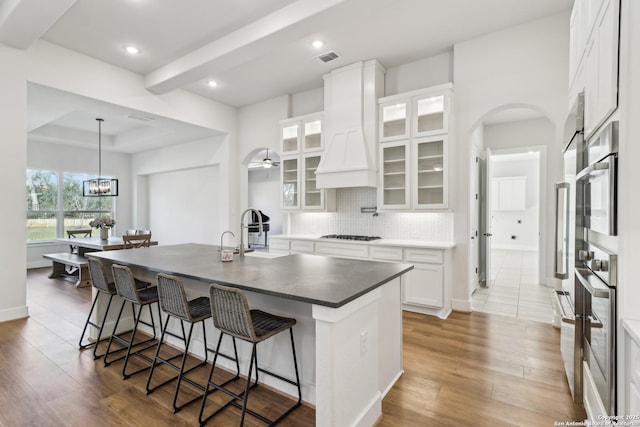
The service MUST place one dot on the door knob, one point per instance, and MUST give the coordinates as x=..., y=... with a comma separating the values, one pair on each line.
x=488, y=234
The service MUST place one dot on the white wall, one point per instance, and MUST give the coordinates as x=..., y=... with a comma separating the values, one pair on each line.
x=184, y=206
x=426, y=72
x=13, y=162
x=526, y=64
x=192, y=181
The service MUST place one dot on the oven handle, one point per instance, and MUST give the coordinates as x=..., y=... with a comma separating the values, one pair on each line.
x=592, y=169
x=594, y=322
x=563, y=315
x=598, y=293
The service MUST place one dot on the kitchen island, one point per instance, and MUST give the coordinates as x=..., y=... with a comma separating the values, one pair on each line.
x=349, y=330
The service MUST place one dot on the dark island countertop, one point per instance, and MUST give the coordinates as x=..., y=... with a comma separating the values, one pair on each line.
x=326, y=281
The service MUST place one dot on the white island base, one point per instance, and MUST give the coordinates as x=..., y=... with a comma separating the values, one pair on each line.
x=348, y=357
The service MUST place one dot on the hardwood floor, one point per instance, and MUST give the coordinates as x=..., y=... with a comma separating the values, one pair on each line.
x=471, y=369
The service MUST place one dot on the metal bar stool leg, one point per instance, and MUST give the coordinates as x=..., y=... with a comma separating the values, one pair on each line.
x=104, y=320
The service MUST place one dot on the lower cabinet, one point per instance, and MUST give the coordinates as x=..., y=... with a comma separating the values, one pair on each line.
x=424, y=289
x=424, y=285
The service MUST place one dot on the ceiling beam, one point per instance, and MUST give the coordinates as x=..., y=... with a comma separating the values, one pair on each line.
x=22, y=22
x=240, y=46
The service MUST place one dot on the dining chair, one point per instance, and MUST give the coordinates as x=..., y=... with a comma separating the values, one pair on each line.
x=134, y=231
x=136, y=241
x=74, y=233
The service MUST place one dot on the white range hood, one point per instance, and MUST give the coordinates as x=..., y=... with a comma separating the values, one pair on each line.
x=350, y=126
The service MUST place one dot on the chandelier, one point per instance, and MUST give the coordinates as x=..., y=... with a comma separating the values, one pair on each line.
x=97, y=187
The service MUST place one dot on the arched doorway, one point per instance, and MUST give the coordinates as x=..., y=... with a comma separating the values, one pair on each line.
x=263, y=191
x=508, y=212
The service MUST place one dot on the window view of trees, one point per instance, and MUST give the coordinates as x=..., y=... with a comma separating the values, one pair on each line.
x=55, y=204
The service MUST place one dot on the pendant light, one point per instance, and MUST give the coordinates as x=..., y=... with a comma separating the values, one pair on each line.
x=100, y=186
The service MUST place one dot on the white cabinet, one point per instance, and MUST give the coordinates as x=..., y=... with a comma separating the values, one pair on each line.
x=413, y=150
x=429, y=172
x=414, y=174
x=301, y=147
x=424, y=285
x=394, y=173
x=343, y=250
x=302, y=247
x=509, y=193
x=290, y=179
x=413, y=114
x=425, y=289
x=601, y=63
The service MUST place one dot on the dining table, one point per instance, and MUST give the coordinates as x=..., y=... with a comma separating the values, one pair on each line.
x=92, y=244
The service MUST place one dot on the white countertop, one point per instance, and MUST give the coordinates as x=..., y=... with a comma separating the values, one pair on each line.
x=380, y=242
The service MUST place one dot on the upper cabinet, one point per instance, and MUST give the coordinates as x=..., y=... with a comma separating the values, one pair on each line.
x=413, y=149
x=593, y=59
x=431, y=114
x=414, y=114
x=394, y=120
x=301, y=153
x=301, y=134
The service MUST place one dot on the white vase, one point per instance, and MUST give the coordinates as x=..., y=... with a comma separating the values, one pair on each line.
x=104, y=233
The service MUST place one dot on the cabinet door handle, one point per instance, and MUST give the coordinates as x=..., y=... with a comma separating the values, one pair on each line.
x=488, y=234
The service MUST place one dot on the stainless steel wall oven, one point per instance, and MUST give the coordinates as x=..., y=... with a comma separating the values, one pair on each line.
x=599, y=180
x=598, y=278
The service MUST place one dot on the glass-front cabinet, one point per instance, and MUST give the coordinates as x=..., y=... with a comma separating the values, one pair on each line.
x=429, y=116
x=312, y=135
x=313, y=197
x=394, y=120
x=394, y=191
x=413, y=160
x=290, y=172
x=302, y=147
x=429, y=172
x=290, y=136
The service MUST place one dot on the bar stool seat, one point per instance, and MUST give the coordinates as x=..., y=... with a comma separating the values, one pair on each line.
x=99, y=281
x=232, y=316
x=174, y=303
x=130, y=292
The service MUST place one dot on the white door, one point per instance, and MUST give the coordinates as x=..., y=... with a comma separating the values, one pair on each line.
x=488, y=220
x=474, y=219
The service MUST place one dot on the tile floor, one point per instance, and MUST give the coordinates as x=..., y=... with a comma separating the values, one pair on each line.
x=514, y=290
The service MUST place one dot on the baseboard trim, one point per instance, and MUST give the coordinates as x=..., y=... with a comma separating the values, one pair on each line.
x=463, y=305
x=14, y=313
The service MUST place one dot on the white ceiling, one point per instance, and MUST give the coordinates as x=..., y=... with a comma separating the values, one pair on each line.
x=255, y=49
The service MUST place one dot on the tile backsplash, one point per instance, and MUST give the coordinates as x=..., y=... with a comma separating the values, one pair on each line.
x=347, y=219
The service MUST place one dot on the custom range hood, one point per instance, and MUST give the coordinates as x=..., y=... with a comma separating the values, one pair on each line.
x=350, y=126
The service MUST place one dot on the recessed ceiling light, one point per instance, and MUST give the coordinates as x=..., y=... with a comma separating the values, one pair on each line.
x=317, y=44
x=132, y=49
x=212, y=83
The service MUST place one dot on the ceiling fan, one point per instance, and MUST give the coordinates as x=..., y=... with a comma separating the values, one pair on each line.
x=265, y=163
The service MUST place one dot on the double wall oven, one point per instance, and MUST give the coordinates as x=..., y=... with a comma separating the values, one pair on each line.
x=585, y=260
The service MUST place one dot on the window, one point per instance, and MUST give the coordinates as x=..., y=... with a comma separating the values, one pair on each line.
x=55, y=204
x=42, y=204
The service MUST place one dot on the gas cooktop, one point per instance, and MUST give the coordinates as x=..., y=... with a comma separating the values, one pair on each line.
x=350, y=237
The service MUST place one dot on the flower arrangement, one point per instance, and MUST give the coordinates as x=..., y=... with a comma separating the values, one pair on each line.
x=103, y=222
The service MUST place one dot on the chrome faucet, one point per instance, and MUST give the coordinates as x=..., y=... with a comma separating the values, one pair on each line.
x=221, y=237
x=241, y=247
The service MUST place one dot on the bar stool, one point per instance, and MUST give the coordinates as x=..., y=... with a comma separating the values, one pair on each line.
x=129, y=292
x=232, y=316
x=98, y=276
x=173, y=302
